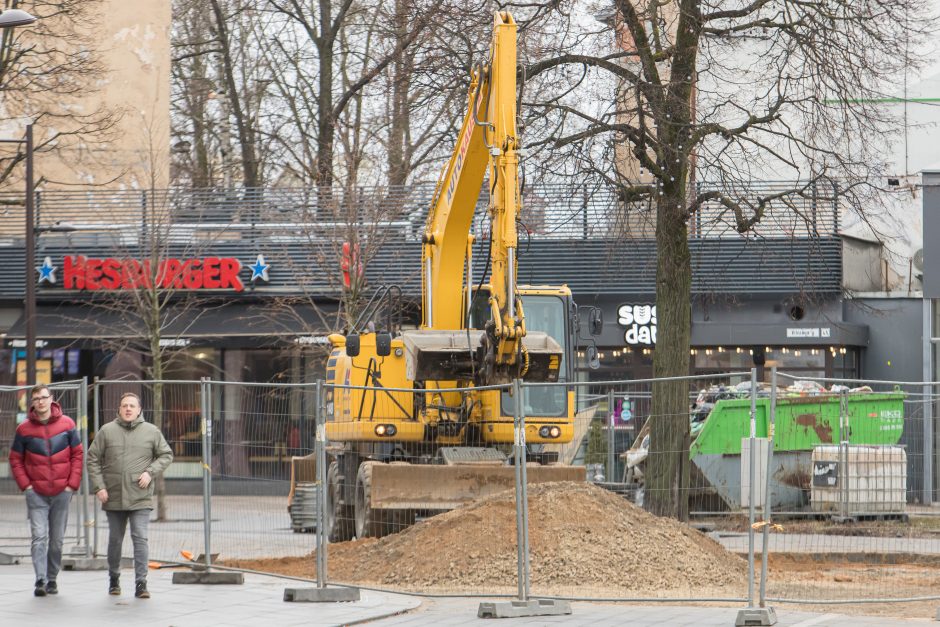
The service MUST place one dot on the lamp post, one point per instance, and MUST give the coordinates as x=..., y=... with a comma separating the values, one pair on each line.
x=12, y=18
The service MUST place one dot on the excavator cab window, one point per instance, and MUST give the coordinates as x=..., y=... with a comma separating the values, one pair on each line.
x=546, y=313
x=479, y=308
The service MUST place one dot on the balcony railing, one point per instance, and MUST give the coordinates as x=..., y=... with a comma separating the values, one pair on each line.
x=270, y=215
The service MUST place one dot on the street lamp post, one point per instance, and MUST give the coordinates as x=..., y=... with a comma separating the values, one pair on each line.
x=12, y=18
x=30, y=258
x=30, y=303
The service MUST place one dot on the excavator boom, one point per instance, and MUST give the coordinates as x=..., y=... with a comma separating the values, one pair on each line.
x=488, y=142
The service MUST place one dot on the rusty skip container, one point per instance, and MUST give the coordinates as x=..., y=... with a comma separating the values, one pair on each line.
x=801, y=424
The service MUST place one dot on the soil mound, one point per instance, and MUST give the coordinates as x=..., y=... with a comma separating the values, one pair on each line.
x=580, y=537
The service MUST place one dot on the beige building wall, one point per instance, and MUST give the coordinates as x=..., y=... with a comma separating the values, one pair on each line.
x=132, y=41
x=637, y=221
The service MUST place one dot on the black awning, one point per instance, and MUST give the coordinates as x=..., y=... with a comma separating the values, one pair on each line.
x=822, y=333
x=231, y=325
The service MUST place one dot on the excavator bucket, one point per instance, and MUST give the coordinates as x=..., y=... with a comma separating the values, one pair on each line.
x=457, y=355
x=440, y=487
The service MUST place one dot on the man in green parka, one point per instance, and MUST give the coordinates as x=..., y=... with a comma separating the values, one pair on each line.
x=123, y=459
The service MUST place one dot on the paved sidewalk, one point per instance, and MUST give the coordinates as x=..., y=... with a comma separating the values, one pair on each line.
x=462, y=613
x=83, y=602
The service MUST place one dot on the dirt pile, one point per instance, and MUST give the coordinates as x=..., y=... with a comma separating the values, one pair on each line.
x=580, y=536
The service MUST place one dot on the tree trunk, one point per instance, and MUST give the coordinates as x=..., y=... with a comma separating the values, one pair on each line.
x=398, y=161
x=325, y=123
x=667, y=483
x=246, y=134
x=156, y=353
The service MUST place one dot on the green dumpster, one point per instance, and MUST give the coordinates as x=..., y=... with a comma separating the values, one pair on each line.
x=801, y=423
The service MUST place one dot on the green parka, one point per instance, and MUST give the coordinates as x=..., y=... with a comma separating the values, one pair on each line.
x=119, y=454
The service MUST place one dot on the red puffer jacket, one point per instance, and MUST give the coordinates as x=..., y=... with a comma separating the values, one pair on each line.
x=47, y=456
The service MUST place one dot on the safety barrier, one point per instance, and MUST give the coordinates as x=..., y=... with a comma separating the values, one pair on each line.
x=796, y=490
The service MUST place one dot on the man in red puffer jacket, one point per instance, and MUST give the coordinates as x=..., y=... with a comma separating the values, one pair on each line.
x=46, y=460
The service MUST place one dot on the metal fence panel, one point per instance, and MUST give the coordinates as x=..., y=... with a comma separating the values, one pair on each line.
x=14, y=527
x=847, y=493
x=176, y=522
x=843, y=481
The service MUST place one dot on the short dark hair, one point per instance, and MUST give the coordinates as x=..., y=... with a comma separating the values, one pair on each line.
x=39, y=387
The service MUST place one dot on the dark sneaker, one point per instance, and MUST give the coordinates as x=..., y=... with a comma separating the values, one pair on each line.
x=51, y=587
x=140, y=590
x=40, y=589
x=114, y=586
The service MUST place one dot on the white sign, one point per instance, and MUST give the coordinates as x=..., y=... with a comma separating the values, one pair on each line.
x=174, y=342
x=640, y=323
x=22, y=343
x=801, y=332
x=312, y=339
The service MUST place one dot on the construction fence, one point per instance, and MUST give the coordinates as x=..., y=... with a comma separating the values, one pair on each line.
x=796, y=490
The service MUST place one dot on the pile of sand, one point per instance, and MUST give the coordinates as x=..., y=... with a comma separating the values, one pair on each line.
x=580, y=537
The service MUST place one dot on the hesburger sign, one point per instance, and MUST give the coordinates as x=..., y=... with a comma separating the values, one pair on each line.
x=110, y=274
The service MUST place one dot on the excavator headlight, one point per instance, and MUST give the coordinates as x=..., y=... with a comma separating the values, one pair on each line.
x=385, y=430
x=549, y=431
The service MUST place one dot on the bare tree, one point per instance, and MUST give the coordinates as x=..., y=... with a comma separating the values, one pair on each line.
x=323, y=57
x=150, y=262
x=702, y=90
x=220, y=89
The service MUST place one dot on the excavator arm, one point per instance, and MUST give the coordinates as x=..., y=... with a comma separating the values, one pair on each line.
x=445, y=348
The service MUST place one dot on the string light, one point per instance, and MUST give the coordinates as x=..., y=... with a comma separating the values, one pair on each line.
x=738, y=350
x=796, y=353
x=842, y=350
x=750, y=352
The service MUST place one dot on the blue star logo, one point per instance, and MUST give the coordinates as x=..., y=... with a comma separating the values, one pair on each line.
x=259, y=270
x=46, y=271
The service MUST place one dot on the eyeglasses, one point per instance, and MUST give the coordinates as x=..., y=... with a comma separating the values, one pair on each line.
x=41, y=398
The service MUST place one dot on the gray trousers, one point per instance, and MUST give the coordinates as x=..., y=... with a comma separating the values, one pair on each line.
x=48, y=518
x=117, y=525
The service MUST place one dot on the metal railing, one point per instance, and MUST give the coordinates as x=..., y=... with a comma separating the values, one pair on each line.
x=280, y=214
x=811, y=491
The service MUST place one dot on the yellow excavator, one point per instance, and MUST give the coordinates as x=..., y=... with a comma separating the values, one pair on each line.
x=421, y=422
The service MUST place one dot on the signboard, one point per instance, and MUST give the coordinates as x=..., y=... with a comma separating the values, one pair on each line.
x=825, y=474
x=809, y=332
x=639, y=322
x=86, y=273
x=112, y=274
